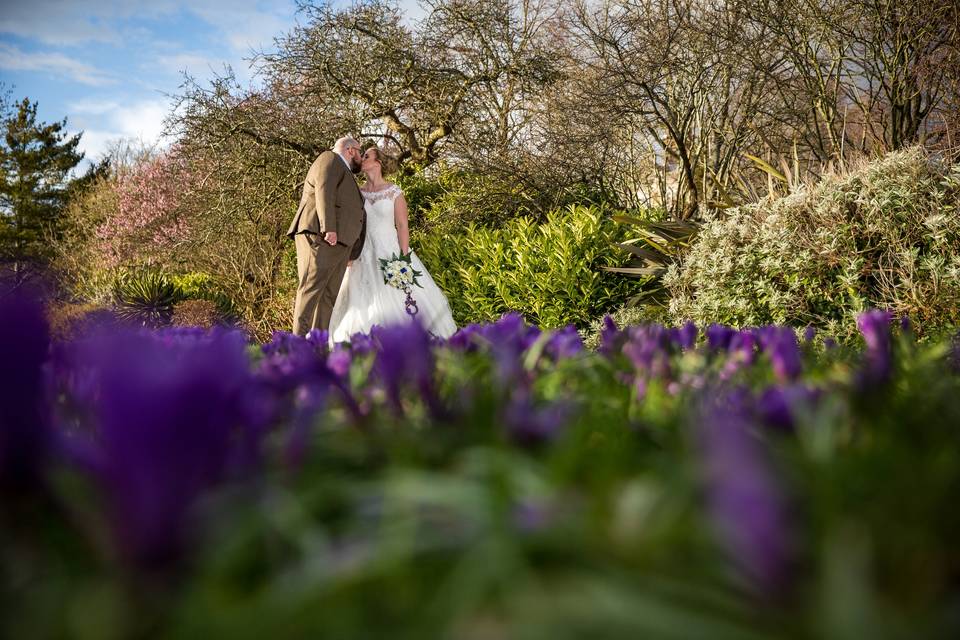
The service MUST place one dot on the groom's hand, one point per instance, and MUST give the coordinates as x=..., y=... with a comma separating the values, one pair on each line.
x=330, y=237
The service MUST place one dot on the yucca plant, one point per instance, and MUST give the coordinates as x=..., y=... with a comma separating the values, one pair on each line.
x=658, y=244
x=146, y=297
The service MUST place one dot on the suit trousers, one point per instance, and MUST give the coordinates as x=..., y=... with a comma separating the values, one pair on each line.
x=320, y=269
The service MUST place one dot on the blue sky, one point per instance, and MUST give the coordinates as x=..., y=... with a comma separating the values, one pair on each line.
x=109, y=65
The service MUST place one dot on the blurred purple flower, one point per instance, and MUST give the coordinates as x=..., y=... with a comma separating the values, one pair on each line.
x=781, y=346
x=744, y=498
x=25, y=435
x=319, y=338
x=339, y=361
x=611, y=337
x=564, y=343
x=171, y=424
x=308, y=402
x=809, y=333
x=405, y=359
x=877, y=365
x=531, y=425
x=777, y=405
x=648, y=349
x=530, y=516
x=719, y=336
x=686, y=336
x=362, y=343
x=464, y=338
x=905, y=326
x=508, y=339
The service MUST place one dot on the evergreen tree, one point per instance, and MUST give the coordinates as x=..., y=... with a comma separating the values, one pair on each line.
x=35, y=163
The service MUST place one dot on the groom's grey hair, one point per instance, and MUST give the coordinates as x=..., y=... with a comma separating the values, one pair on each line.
x=344, y=143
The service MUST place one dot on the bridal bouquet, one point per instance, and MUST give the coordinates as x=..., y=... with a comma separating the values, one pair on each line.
x=398, y=272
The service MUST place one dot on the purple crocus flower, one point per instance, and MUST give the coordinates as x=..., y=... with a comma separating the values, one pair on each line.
x=611, y=337
x=339, y=361
x=508, y=339
x=464, y=339
x=319, y=338
x=877, y=365
x=308, y=403
x=25, y=436
x=686, y=336
x=719, y=336
x=744, y=498
x=564, y=343
x=531, y=425
x=648, y=349
x=405, y=359
x=809, y=334
x=362, y=343
x=282, y=342
x=171, y=418
x=784, y=352
x=776, y=406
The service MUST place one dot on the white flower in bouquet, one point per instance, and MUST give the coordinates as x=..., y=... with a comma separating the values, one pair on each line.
x=398, y=272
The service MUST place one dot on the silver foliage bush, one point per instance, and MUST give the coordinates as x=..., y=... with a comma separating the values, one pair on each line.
x=886, y=235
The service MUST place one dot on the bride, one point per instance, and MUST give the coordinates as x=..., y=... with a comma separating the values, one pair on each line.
x=364, y=299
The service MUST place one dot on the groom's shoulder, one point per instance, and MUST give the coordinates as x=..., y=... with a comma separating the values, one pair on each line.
x=325, y=157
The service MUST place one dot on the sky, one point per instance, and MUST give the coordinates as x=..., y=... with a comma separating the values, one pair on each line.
x=111, y=66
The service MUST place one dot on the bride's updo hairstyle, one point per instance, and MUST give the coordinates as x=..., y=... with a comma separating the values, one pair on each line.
x=388, y=163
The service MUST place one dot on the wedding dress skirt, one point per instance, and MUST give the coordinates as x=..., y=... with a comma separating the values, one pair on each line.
x=364, y=300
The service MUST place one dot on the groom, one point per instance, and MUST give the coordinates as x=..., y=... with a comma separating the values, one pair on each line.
x=328, y=230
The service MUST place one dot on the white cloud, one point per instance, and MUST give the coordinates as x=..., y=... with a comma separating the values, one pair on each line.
x=112, y=122
x=92, y=106
x=14, y=59
x=143, y=120
x=194, y=64
x=96, y=143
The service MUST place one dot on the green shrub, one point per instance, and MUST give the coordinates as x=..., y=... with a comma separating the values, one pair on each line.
x=550, y=272
x=884, y=236
x=203, y=286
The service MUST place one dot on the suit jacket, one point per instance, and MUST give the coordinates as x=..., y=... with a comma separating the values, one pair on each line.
x=331, y=201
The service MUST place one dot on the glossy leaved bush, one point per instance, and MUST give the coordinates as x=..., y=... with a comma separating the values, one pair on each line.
x=551, y=273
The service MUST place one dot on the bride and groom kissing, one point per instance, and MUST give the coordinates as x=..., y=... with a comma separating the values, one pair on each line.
x=342, y=232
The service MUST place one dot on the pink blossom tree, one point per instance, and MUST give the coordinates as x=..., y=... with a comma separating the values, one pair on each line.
x=147, y=224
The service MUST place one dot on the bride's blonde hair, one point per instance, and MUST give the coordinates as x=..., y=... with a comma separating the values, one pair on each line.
x=388, y=163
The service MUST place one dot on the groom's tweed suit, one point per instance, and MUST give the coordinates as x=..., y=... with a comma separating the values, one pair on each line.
x=331, y=201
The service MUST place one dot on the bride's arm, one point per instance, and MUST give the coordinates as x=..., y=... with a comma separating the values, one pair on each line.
x=400, y=220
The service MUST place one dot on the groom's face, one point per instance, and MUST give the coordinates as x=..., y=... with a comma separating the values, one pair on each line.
x=354, y=158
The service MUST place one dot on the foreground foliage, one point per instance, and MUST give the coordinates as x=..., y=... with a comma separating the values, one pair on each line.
x=673, y=484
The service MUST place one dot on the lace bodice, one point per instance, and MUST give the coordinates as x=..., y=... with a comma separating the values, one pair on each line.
x=387, y=193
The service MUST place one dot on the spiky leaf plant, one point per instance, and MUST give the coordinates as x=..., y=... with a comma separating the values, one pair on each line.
x=146, y=297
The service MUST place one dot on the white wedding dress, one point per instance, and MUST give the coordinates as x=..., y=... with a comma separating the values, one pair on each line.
x=364, y=300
